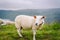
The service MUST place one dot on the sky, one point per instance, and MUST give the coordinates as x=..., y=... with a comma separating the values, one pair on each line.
x=29, y=4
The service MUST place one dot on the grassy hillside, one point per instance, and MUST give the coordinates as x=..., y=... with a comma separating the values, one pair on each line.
x=48, y=32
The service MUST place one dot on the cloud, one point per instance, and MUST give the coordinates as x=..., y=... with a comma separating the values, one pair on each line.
x=29, y=4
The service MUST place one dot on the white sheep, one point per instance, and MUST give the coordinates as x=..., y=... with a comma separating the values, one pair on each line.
x=6, y=22
x=26, y=22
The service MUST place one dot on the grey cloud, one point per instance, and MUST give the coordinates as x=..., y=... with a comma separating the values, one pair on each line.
x=29, y=4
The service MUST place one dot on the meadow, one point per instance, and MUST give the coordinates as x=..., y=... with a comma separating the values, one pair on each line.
x=48, y=32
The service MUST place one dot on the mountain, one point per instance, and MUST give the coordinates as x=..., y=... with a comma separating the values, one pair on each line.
x=51, y=14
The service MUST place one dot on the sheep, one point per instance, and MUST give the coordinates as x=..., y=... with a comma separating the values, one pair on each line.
x=1, y=22
x=26, y=22
x=6, y=22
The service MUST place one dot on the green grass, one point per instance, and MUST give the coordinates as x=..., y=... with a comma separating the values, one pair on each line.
x=48, y=32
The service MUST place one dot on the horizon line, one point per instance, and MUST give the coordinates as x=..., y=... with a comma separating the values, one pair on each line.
x=25, y=8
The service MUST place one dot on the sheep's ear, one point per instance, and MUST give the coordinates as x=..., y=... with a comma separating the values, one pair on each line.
x=43, y=16
x=35, y=17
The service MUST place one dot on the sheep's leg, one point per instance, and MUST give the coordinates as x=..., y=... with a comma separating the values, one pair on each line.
x=34, y=33
x=19, y=30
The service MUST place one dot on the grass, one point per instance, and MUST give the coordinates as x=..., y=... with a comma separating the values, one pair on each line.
x=48, y=32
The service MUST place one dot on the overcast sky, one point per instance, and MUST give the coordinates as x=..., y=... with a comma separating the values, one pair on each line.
x=29, y=4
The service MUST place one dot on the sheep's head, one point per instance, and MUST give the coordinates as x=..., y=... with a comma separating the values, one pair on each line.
x=39, y=20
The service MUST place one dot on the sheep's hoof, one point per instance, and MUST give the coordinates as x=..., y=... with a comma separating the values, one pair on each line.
x=21, y=36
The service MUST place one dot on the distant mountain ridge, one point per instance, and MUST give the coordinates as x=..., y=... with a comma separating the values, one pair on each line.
x=51, y=14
